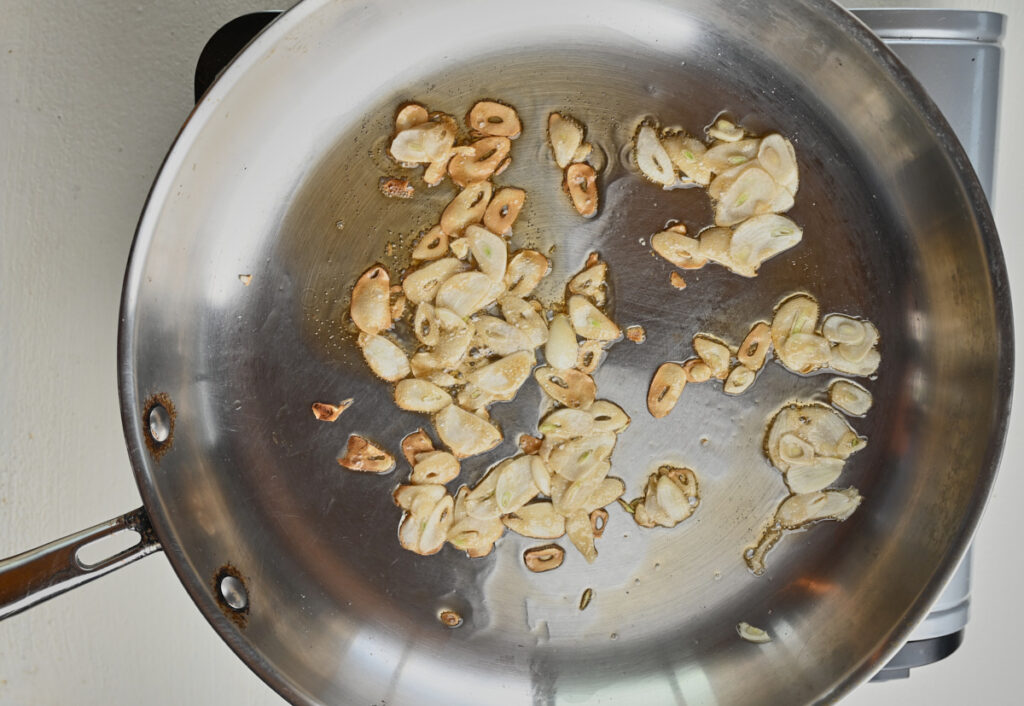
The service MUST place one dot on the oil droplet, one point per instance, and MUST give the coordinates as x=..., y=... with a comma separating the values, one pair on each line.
x=614, y=636
x=340, y=225
x=237, y=404
x=704, y=441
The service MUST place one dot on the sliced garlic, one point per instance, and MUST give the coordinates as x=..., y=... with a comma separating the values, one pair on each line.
x=478, y=161
x=850, y=397
x=465, y=433
x=795, y=451
x=581, y=534
x=422, y=143
x=581, y=184
x=454, y=338
x=666, y=386
x=326, y=412
x=567, y=423
x=525, y=271
x=794, y=315
x=418, y=499
x=425, y=533
x=864, y=367
x=474, y=536
x=466, y=293
x=578, y=457
x=503, y=210
x=466, y=208
x=514, y=486
x=561, y=350
x=424, y=324
x=677, y=248
x=670, y=496
x=541, y=474
x=751, y=194
x=415, y=444
x=754, y=349
x=802, y=509
x=687, y=155
x=751, y=634
x=570, y=388
x=715, y=244
x=546, y=558
x=817, y=475
x=726, y=156
x=608, y=416
x=503, y=378
x=777, y=157
x=591, y=283
x=726, y=131
x=498, y=337
x=590, y=322
x=410, y=115
x=713, y=352
x=838, y=328
x=537, y=520
x=565, y=135
x=804, y=352
x=590, y=357
x=386, y=360
x=370, y=308
x=855, y=352
x=489, y=251
x=651, y=157
x=420, y=396
x=493, y=118
x=519, y=313
x=422, y=284
x=607, y=491
x=760, y=238
x=816, y=425
x=696, y=370
x=739, y=380
x=363, y=455
x=438, y=467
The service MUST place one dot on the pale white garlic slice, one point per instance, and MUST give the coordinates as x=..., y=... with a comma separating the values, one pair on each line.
x=752, y=193
x=581, y=184
x=422, y=284
x=499, y=337
x=521, y=314
x=465, y=433
x=561, y=350
x=777, y=157
x=420, y=396
x=802, y=509
x=726, y=156
x=474, y=536
x=478, y=161
x=849, y=397
x=423, y=143
x=437, y=467
x=565, y=135
x=797, y=314
x=606, y=492
x=838, y=328
x=804, y=352
x=489, y=251
x=863, y=367
x=687, y=155
x=670, y=496
x=590, y=322
x=855, y=352
x=386, y=360
x=466, y=293
x=754, y=349
x=537, y=520
x=591, y=283
x=760, y=238
x=714, y=353
x=525, y=271
x=816, y=475
x=581, y=533
x=567, y=423
x=725, y=130
x=652, y=158
x=514, y=486
x=503, y=378
x=739, y=380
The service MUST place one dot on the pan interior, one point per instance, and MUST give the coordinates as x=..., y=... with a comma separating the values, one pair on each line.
x=276, y=177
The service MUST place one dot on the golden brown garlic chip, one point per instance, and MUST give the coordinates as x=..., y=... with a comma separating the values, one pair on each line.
x=581, y=184
x=493, y=118
x=363, y=455
x=546, y=558
x=327, y=412
x=666, y=386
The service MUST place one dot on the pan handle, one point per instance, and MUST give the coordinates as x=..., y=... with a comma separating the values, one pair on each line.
x=47, y=571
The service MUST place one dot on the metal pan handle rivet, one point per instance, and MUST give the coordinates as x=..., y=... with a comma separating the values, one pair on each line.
x=159, y=423
x=232, y=590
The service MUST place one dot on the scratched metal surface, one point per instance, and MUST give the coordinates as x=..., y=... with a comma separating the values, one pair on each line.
x=291, y=142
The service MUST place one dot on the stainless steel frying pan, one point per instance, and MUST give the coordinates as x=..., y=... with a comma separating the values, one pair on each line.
x=295, y=562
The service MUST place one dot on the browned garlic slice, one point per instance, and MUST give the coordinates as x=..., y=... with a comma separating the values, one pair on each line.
x=546, y=558
x=751, y=634
x=565, y=135
x=415, y=444
x=493, y=118
x=581, y=534
x=651, y=157
x=561, y=350
x=420, y=396
x=474, y=536
x=590, y=322
x=525, y=271
x=478, y=161
x=326, y=412
x=687, y=155
x=570, y=388
x=370, y=309
x=503, y=210
x=489, y=251
x=608, y=416
x=424, y=324
x=581, y=184
x=666, y=386
x=466, y=208
x=671, y=496
x=434, y=467
x=465, y=433
x=754, y=349
x=850, y=397
x=386, y=360
x=675, y=246
x=363, y=455
x=591, y=283
x=739, y=380
x=537, y=520
x=422, y=284
x=713, y=352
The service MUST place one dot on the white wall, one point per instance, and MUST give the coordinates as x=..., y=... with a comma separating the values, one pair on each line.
x=91, y=95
